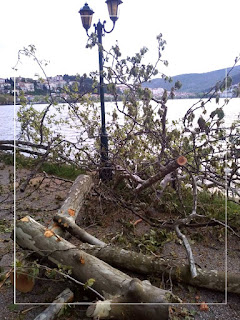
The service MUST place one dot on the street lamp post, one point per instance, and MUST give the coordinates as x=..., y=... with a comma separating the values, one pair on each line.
x=86, y=16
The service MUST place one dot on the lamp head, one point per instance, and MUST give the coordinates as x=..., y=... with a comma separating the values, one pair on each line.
x=86, y=16
x=113, y=9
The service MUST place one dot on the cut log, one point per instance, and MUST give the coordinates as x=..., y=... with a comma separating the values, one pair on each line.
x=117, y=308
x=52, y=311
x=24, y=281
x=109, y=281
x=73, y=203
x=170, y=167
x=143, y=264
x=181, y=161
x=76, y=231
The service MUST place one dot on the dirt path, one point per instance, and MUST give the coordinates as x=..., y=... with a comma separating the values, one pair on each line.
x=43, y=198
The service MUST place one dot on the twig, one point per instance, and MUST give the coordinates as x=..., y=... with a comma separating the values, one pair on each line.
x=76, y=281
x=188, y=250
x=29, y=309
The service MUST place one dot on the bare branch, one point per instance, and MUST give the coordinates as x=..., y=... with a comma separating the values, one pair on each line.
x=188, y=250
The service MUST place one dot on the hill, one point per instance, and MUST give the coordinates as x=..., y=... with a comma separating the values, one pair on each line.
x=196, y=82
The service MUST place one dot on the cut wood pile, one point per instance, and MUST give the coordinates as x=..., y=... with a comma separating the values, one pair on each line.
x=118, y=295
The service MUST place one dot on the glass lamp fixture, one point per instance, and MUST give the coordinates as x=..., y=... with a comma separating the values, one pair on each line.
x=86, y=16
x=113, y=9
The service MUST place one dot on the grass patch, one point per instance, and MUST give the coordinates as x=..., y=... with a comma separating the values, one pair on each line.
x=6, y=158
x=62, y=170
x=210, y=204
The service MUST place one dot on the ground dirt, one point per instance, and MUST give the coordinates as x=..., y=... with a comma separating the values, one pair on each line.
x=110, y=222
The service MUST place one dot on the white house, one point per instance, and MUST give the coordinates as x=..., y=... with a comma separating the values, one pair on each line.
x=26, y=86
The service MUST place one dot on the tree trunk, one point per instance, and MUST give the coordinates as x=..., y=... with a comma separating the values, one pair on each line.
x=140, y=263
x=109, y=282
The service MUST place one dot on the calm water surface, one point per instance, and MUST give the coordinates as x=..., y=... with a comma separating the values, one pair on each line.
x=176, y=110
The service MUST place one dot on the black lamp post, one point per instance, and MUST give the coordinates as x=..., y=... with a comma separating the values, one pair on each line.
x=86, y=16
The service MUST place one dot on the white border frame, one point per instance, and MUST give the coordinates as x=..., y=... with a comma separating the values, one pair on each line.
x=88, y=304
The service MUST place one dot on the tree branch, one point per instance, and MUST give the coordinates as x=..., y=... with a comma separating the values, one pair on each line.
x=170, y=167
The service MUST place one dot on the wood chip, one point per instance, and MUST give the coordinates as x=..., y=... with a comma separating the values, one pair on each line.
x=82, y=260
x=71, y=212
x=48, y=234
x=203, y=307
x=137, y=221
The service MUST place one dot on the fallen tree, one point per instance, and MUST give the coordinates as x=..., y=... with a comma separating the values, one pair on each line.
x=137, y=262
x=145, y=154
x=143, y=264
x=110, y=282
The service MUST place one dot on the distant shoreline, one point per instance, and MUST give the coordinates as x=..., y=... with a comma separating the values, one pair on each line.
x=107, y=99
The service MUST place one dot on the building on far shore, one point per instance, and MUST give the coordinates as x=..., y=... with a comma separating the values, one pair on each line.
x=229, y=93
x=25, y=86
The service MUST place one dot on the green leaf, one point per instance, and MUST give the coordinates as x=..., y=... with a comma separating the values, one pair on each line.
x=89, y=283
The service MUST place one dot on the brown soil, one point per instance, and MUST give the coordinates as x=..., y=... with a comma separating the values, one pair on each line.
x=110, y=222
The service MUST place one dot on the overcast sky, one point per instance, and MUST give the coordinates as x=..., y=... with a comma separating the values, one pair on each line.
x=201, y=35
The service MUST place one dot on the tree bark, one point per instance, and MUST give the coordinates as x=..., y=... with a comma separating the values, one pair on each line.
x=109, y=281
x=140, y=263
x=51, y=312
x=76, y=231
x=73, y=203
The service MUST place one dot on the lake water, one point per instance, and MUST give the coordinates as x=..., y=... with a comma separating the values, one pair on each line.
x=176, y=110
